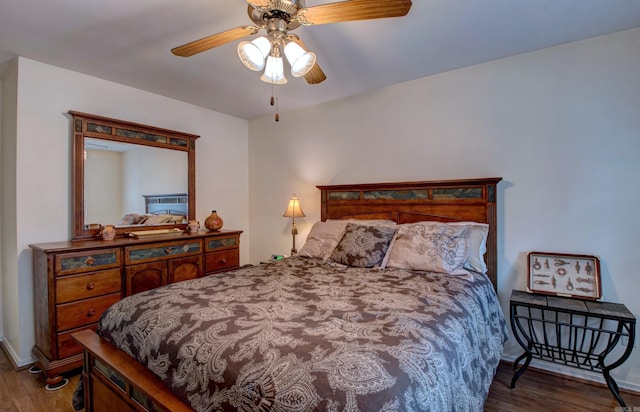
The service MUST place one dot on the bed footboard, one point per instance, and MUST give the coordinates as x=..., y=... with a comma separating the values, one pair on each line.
x=113, y=381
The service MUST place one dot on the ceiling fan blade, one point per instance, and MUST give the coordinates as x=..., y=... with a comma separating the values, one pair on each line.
x=315, y=75
x=353, y=10
x=215, y=40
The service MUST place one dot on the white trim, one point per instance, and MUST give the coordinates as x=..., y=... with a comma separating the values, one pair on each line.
x=14, y=356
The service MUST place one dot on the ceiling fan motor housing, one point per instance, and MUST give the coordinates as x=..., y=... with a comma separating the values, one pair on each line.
x=286, y=10
x=276, y=28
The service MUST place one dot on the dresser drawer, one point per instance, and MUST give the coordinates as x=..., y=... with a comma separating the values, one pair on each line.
x=77, y=262
x=84, y=312
x=217, y=261
x=161, y=251
x=218, y=243
x=67, y=346
x=89, y=285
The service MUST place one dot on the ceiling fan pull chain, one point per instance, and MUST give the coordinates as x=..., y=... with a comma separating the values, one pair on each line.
x=277, y=115
x=274, y=100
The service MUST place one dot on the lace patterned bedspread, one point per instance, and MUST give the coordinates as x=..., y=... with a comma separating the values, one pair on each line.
x=301, y=335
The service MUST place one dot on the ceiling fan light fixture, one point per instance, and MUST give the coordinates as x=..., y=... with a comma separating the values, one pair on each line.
x=252, y=54
x=274, y=71
x=301, y=61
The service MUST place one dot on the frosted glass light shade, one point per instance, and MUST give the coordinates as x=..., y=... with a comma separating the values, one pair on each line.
x=301, y=61
x=252, y=54
x=274, y=71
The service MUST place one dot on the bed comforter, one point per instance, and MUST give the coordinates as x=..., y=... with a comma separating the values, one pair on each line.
x=302, y=335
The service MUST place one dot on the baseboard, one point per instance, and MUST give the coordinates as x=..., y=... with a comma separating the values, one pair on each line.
x=593, y=378
x=14, y=358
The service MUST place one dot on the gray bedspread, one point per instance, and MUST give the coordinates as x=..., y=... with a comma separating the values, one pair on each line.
x=301, y=335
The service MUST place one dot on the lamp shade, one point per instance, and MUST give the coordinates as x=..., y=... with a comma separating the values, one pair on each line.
x=252, y=54
x=274, y=71
x=301, y=61
x=293, y=208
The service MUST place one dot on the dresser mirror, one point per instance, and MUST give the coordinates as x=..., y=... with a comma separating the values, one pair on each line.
x=132, y=176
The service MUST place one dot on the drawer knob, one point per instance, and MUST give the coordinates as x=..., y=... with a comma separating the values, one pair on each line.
x=90, y=286
x=168, y=251
x=91, y=312
x=223, y=260
x=90, y=261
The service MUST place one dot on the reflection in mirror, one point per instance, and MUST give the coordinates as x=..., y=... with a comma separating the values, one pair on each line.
x=130, y=165
x=118, y=176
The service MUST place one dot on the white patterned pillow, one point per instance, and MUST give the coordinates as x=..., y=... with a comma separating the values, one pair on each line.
x=431, y=247
x=323, y=238
x=363, y=245
x=477, y=245
x=157, y=219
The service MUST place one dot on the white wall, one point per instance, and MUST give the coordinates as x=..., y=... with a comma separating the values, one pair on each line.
x=146, y=175
x=1, y=194
x=561, y=126
x=42, y=183
x=103, y=187
x=8, y=263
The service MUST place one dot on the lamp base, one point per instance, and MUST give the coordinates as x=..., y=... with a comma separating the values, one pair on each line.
x=294, y=232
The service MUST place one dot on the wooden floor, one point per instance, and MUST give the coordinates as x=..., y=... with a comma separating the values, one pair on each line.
x=538, y=391
x=535, y=391
x=22, y=391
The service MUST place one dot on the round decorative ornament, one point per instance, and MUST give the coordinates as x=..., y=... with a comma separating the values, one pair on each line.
x=213, y=222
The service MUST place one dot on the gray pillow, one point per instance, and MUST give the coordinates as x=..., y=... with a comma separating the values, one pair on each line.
x=363, y=245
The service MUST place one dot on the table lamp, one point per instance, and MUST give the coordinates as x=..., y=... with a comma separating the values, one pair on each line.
x=293, y=211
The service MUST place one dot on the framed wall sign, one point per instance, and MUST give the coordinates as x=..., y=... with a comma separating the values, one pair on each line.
x=558, y=274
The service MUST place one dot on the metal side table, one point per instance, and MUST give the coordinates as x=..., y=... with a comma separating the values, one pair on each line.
x=572, y=332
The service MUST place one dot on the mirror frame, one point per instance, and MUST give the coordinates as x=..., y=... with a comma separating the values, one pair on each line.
x=104, y=128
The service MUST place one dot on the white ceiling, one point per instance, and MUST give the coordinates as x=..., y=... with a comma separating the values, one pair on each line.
x=129, y=42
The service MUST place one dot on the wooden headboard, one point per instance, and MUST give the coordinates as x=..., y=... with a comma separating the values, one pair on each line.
x=407, y=202
x=169, y=204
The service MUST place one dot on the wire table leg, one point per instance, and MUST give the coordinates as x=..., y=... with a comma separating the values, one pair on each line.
x=613, y=387
x=524, y=367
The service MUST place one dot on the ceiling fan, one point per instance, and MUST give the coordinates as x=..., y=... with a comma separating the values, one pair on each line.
x=278, y=18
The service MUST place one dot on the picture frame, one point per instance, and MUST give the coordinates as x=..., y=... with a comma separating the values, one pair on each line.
x=558, y=274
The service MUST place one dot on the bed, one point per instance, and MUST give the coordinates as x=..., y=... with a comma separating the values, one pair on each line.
x=158, y=210
x=353, y=323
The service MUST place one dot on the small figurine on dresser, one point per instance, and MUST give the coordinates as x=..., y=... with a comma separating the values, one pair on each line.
x=193, y=226
x=108, y=232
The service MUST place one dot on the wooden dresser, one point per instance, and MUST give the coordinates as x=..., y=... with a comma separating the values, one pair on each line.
x=75, y=281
